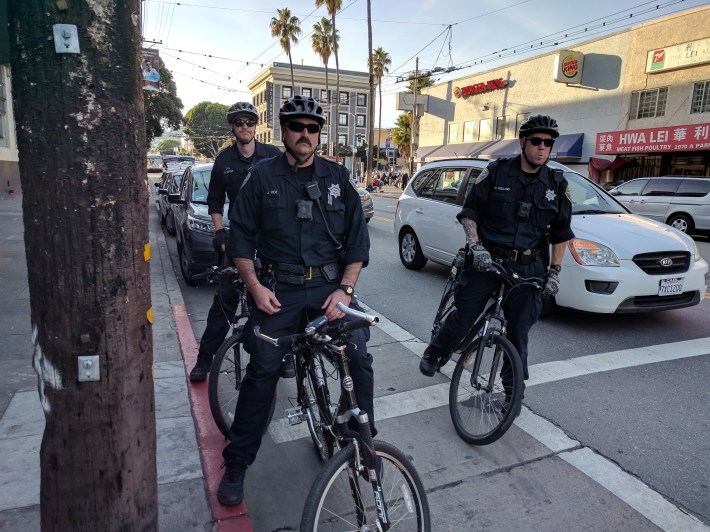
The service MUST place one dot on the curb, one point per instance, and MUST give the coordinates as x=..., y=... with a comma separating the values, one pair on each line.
x=209, y=438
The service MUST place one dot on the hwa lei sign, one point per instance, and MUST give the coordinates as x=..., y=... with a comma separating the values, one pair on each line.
x=660, y=139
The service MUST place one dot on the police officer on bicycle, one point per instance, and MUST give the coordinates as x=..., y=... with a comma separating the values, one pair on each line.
x=305, y=218
x=228, y=173
x=516, y=209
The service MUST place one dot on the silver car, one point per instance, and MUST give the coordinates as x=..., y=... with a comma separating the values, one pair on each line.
x=681, y=202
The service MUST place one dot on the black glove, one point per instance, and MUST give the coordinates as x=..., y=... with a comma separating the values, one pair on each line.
x=552, y=284
x=219, y=240
x=478, y=256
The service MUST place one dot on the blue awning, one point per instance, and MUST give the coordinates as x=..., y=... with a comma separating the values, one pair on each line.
x=566, y=146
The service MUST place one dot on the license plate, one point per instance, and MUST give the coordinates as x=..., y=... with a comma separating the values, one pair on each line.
x=672, y=286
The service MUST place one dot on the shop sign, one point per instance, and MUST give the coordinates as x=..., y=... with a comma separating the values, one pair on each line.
x=478, y=88
x=678, y=56
x=568, y=67
x=691, y=137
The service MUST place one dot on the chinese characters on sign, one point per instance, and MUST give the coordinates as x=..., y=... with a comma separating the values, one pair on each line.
x=660, y=139
x=678, y=56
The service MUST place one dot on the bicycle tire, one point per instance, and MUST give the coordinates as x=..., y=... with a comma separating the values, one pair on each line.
x=320, y=418
x=479, y=416
x=226, y=374
x=330, y=503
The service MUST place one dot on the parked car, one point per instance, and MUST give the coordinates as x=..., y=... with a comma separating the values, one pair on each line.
x=683, y=202
x=617, y=262
x=178, y=162
x=169, y=184
x=368, y=207
x=194, y=228
x=155, y=162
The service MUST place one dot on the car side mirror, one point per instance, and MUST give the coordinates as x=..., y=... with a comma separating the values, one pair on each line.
x=162, y=191
x=157, y=184
x=175, y=198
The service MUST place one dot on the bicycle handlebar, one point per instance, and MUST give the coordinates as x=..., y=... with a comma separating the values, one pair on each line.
x=213, y=274
x=513, y=278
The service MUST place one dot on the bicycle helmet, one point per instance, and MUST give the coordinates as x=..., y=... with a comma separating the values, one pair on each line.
x=539, y=124
x=241, y=109
x=301, y=107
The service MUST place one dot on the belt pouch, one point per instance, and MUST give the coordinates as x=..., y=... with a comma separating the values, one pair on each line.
x=330, y=272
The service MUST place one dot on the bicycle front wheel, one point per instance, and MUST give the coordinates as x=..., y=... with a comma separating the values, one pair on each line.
x=342, y=498
x=225, y=381
x=483, y=406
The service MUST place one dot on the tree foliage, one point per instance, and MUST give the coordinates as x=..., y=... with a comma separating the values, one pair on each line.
x=162, y=108
x=207, y=128
x=333, y=6
x=324, y=42
x=167, y=146
x=402, y=134
x=287, y=28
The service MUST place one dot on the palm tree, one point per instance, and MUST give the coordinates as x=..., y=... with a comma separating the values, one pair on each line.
x=333, y=6
x=381, y=62
x=402, y=134
x=324, y=42
x=287, y=28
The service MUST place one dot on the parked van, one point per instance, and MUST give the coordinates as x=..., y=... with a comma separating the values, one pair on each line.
x=682, y=202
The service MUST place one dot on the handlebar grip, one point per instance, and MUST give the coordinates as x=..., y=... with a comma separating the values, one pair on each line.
x=357, y=314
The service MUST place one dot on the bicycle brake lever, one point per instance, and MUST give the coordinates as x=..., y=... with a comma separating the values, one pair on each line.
x=272, y=341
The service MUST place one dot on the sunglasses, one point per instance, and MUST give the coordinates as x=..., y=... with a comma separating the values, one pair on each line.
x=248, y=123
x=298, y=127
x=536, y=141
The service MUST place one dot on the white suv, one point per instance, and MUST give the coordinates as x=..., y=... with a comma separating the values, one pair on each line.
x=617, y=262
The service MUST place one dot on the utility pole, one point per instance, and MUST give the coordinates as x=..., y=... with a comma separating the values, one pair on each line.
x=78, y=101
x=415, y=133
x=371, y=110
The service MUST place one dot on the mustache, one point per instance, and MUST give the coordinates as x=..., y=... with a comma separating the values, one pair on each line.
x=303, y=141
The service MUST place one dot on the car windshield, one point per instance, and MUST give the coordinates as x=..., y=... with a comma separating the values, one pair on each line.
x=201, y=184
x=587, y=198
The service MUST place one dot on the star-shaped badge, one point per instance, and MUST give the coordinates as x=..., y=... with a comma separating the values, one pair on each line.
x=550, y=195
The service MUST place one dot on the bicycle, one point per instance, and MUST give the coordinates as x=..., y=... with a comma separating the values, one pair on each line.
x=339, y=496
x=485, y=395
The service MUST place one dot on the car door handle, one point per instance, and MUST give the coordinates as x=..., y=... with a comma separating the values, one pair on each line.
x=419, y=210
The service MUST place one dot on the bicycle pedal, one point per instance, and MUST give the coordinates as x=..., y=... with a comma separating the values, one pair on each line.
x=295, y=416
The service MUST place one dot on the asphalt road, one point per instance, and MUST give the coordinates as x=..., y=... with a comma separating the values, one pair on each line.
x=620, y=433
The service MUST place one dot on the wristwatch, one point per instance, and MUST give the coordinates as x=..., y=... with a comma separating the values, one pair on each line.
x=555, y=268
x=348, y=289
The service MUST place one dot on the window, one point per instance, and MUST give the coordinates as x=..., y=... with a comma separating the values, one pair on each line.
x=648, y=104
x=694, y=188
x=343, y=139
x=344, y=97
x=286, y=92
x=362, y=100
x=661, y=187
x=454, y=133
x=360, y=120
x=468, y=132
x=501, y=126
x=701, y=98
x=342, y=119
x=448, y=184
x=484, y=129
x=307, y=93
x=324, y=96
x=425, y=183
x=632, y=188
x=519, y=119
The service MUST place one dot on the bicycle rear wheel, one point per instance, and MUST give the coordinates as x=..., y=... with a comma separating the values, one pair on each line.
x=226, y=374
x=341, y=497
x=483, y=408
x=318, y=408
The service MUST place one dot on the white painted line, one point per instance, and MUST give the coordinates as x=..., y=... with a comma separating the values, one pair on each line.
x=632, y=491
x=545, y=432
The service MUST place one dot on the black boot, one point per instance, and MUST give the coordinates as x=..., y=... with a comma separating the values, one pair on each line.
x=202, y=367
x=430, y=362
x=231, y=488
x=288, y=369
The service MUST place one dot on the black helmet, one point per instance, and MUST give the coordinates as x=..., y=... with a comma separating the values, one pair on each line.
x=242, y=108
x=539, y=124
x=301, y=107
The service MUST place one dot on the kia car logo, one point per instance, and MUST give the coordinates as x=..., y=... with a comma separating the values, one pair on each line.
x=665, y=262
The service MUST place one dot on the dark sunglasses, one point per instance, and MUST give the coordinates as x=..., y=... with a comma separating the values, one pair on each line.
x=297, y=127
x=248, y=123
x=536, y=141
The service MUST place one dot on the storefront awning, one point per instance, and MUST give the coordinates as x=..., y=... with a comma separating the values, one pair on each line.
x=426, y=151
x=464, y=149
x=566, y=146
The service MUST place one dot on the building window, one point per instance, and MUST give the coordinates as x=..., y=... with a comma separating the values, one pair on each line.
x=501, y=126
x=468, y=132
x=325, y=117
x=324, y=96
x=286, y=92
x=519, y=119
x=360, y=120
x=342, y=119
x=362, y=100
x=484, y=130
x=454, y=133
x=359, y=141
x=701, y=98
x=343, y=140
x=648, y=104
x=307, y=93
x=344, y=98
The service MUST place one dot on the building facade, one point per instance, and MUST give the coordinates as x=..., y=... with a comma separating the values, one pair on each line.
x=9, y=158
x=620, y=100
x=272, y=87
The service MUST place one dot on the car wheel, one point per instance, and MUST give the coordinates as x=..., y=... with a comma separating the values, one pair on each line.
x=682, y=223
x=410, y=251
x=185, y=267
x=162, y=217
x=170, y=224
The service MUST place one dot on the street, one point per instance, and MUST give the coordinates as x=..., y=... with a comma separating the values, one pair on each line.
x=613, y=434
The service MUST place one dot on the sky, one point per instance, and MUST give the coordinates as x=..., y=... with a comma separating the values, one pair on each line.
x=215, y=47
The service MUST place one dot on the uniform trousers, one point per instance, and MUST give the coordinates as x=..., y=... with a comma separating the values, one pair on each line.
x=222, y=310
x=264, y=368
x=522, y=308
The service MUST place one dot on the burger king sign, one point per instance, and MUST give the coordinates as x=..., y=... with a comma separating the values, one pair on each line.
x=568, y=67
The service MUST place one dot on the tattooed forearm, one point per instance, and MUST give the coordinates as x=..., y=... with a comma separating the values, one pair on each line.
x=471, y=230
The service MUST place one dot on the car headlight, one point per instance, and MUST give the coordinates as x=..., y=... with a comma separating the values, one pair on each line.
x=696, y=254
x=588, y=253
x=203, y=226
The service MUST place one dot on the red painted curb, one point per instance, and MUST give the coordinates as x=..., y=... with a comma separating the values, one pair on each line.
x=209, y=438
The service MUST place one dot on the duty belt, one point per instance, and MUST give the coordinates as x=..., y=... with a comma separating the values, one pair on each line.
x=292, y=273
x=516, y=255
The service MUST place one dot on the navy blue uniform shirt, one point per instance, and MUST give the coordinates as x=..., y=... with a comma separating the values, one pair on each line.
x=494, y=203
x=229, y=171
x=266, y=209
